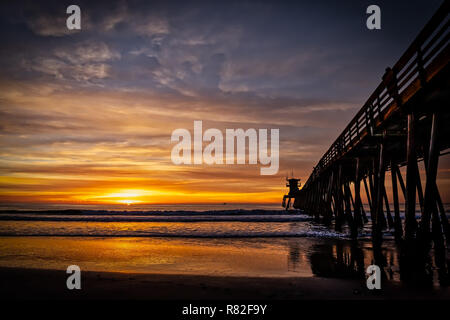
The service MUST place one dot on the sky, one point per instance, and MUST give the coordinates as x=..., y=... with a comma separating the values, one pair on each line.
x=86, y=116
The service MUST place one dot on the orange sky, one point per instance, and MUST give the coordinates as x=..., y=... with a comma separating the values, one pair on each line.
x=117, y=152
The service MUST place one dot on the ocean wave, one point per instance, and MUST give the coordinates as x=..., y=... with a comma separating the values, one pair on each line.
x=310, y=234
x=72, y=212
x=154, y=218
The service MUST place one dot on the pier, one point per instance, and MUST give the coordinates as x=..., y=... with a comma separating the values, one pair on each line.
x=404, y=122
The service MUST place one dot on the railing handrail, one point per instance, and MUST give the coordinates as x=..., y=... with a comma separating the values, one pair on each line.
x=389, y=91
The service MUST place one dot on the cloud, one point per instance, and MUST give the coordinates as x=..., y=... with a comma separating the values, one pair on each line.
x=155, y=26
x=49, y=26
x=48, y=18
x=86, y=52
x=121, y=18
x=83, y=62
x=64, y=71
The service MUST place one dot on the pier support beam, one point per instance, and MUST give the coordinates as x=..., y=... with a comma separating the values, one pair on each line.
x=397, y=220
x=380, y=220
x=411, y=181
x=358, y=205
x=430, y=202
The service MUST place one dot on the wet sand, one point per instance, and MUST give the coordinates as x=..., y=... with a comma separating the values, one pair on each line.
x=19, y=283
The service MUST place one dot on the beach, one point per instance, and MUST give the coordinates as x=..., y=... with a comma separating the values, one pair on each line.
x=19, y=283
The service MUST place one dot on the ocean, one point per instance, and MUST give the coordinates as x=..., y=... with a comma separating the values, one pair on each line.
x=230, y=240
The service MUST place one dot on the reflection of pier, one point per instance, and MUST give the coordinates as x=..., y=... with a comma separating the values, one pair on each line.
x=338, y=260
x=350, y=259
x=402, y=123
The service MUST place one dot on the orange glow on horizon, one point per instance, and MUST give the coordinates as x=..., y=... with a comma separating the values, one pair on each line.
x=142, y=197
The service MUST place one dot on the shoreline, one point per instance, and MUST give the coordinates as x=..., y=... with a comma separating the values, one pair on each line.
x=45, y=284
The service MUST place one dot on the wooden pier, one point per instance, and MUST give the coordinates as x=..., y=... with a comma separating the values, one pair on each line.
x=404, y=121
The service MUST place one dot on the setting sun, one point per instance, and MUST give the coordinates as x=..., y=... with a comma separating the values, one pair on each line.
x=127, y=197
x=128, y=202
